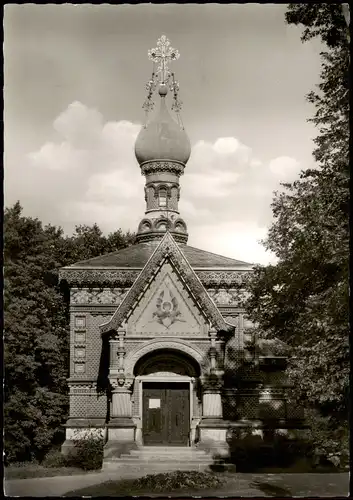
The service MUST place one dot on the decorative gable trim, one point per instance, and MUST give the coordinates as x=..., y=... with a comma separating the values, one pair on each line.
x=168, y=250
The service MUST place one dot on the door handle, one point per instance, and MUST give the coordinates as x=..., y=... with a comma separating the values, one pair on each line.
x=176, y=420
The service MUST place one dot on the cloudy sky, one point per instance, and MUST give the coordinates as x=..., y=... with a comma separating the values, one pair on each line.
x=74, y=87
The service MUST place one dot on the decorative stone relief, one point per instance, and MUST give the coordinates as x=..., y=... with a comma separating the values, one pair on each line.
x=97, y=295
x=80, y=367
x=80, y=297
x=80, y=352
x=165, y=309
x=80, y=337
x=80, y=321
x=228, y=297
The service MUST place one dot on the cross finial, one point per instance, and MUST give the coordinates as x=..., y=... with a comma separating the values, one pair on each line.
x=162, y=55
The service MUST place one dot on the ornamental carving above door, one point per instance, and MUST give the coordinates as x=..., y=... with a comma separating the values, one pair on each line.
x=167, y=310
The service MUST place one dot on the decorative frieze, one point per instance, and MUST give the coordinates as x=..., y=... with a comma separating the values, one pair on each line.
x=91, y=277
x=152, y=167
x=85, y=388
x=228, y=297
x=126, y=277
x=226, y=279
x=97, y=295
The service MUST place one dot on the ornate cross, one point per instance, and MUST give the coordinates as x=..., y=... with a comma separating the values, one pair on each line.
x=162, y=55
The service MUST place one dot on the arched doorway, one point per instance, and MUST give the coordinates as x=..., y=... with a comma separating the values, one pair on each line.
x=167, y=401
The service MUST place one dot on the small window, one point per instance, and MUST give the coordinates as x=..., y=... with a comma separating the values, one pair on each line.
x=162, y=197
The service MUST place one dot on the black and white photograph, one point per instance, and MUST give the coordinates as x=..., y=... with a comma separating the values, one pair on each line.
x=176, y=250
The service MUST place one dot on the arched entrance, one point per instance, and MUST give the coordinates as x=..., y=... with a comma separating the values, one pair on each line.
x=168, y=406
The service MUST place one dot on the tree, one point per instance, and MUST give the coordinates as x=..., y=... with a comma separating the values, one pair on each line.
x=36, y=347
x=88, y=242
x=303, y=299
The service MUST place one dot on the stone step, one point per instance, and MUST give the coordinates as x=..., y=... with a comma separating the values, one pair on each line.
x=157, y=458
x=172, y=449
x=171, y=454
x=152, y=467
x=132, y=459
x=167, y=449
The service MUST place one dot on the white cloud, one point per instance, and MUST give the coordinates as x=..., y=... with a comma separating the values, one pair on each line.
x=90, y=175
x=285, y=168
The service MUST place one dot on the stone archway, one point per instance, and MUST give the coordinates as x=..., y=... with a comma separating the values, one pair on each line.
x=167, y=373
x=157, y=345
x=167, y=362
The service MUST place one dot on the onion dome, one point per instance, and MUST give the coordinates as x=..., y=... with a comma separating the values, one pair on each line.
x=163, y=138
x=162, y=149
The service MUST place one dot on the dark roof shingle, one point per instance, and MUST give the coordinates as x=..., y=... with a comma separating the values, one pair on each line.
x=136, y=256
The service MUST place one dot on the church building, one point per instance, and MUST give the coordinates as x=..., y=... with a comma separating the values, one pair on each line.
x=160, y=352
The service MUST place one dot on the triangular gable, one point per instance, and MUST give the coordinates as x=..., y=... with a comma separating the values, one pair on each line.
x=166, y=307
x=168, y=249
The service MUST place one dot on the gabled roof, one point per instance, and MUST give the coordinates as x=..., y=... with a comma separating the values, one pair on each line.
x=169, y=250
x=136, y=256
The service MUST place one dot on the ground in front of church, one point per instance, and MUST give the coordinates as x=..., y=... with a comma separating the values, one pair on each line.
x=234, y=484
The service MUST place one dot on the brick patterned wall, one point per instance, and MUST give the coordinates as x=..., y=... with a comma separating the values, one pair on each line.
x=274, y=378
x=85, y=351
x=173, y=201
x=131, y=345
x=272, y=409
x=94, y=343
x=136, y=399
x=152, y=200
x=248, y=405
x=84, y=402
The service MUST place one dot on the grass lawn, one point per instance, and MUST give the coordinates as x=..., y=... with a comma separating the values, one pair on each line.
x=239, y=484
x=28, y=471
x=167, y=483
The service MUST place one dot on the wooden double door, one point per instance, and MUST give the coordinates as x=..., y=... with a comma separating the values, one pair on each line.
x=166, y=413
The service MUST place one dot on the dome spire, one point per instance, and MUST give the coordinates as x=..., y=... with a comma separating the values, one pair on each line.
x=162, y=150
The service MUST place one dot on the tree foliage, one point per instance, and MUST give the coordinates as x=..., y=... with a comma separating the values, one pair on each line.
x=303, y=299
x=36, y=340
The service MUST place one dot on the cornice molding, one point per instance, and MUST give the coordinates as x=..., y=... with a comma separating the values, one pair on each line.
x=120, y=277
x=172, y=166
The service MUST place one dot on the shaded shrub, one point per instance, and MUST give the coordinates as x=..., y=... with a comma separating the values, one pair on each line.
x=250, y=452
x=177, y=480
x=87, y=453
x=329, y=439
x=54, y=458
